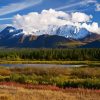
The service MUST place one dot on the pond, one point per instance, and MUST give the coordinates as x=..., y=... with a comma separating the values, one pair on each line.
x=39, y=65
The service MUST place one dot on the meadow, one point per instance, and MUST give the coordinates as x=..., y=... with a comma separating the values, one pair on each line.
x=50, y=83
x=16, y=93
x=62, y=77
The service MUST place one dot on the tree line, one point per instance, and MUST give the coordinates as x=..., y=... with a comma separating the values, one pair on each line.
x=51, y=54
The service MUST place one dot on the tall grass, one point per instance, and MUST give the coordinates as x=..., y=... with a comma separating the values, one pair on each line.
x=59, y=76
x=12, y=93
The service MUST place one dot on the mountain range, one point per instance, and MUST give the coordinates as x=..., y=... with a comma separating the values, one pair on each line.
x=66, y=36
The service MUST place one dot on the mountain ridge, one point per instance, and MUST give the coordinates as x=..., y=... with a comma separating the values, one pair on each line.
x=65, y=37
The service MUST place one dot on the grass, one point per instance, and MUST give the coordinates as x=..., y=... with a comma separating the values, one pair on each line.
x=83, y=77
x=18, y=93
x=50, y=83
x=50, y=62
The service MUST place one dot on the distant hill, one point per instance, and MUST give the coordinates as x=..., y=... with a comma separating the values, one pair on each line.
x=94, y=44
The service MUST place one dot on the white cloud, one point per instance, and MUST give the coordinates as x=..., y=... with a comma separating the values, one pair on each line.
x=94, y=28
x=80, y=3
x=34, y=23
x=6, y=18
x=14, y=7
x=80, y=17
x=97, y=7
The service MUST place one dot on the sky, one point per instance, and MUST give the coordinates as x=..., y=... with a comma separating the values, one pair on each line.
x=15, y=11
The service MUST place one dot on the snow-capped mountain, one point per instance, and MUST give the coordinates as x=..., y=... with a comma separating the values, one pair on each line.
x=65, y=31
x=10, y=32
x=72, y=32
x=12, y=37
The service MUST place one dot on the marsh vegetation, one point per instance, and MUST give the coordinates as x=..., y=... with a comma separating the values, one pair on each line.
x=50, y=83
x=83, y=77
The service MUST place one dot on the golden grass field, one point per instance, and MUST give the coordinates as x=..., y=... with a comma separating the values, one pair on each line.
x=19, y=93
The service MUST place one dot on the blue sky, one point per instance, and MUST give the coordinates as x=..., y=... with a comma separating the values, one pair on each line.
x=10, y=8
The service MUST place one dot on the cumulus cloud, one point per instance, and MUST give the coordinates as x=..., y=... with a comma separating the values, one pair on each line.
x=94, y=28
x=34, y=21
x=97, y=7
x=80, y=17
x=38, y=23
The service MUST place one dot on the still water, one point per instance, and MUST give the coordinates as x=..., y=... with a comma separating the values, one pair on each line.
x=39, y=65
